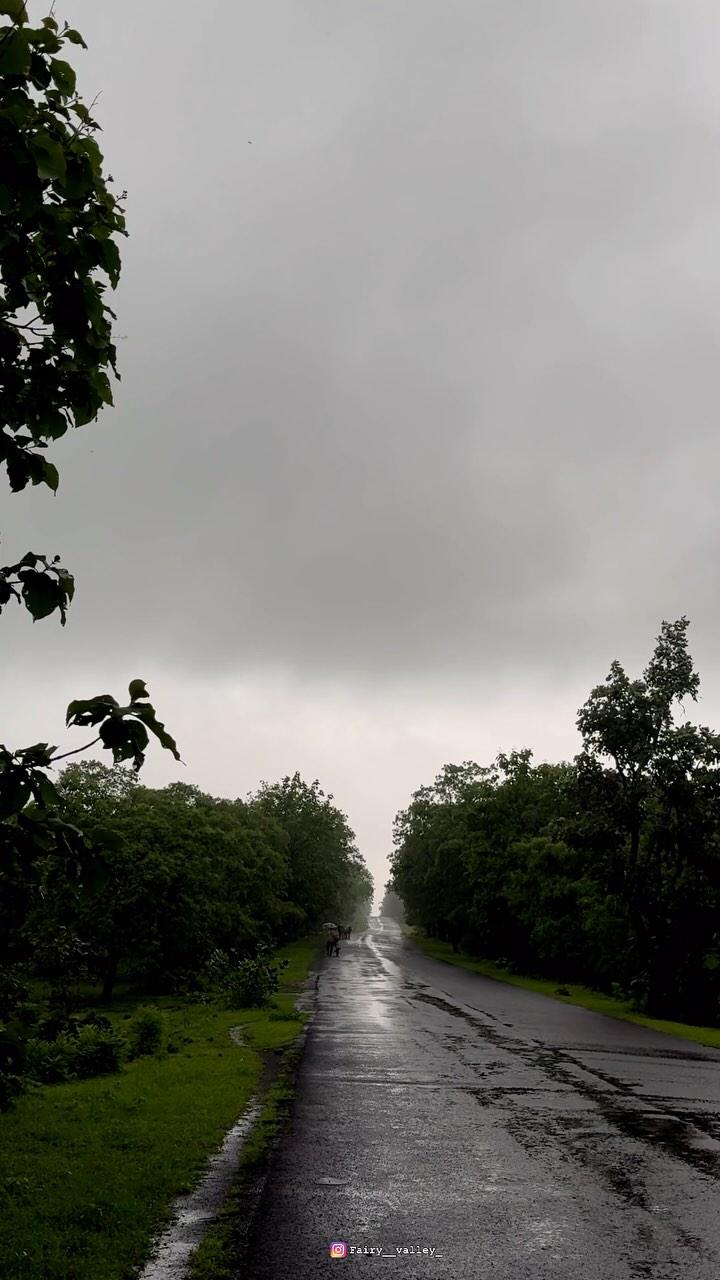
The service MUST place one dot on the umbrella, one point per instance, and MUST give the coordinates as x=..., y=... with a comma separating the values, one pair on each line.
x=329, y=925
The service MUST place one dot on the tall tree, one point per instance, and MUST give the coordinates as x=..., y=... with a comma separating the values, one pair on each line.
x=652, y=788
x=328, y=878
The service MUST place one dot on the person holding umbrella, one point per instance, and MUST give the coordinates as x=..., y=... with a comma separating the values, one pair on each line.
x=331, y=942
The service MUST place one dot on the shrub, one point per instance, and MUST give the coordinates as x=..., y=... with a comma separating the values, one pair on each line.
x=146, y=1032
x=14, y=992
x=250, y=983
x=12, y=1066
x=93, y=1051
x=98, y=1051
x=58, y=1023
x=49, y=1062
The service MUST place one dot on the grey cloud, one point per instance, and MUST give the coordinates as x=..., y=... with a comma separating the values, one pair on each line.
x=420, y=380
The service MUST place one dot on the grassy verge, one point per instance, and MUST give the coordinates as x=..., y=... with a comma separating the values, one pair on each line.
x=583, y=996
x=219, y=1256
x=89, y=1170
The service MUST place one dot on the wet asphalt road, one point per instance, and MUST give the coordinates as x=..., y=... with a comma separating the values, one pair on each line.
x=515, y=1135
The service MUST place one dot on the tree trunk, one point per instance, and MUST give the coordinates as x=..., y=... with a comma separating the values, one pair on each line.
x=109, y=978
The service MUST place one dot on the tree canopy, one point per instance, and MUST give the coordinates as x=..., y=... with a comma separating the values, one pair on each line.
x=605, y=870
x=174, y=875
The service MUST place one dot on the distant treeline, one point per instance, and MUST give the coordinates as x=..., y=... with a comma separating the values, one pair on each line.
x=174, y=876
x=605, y=870
x=392, y=907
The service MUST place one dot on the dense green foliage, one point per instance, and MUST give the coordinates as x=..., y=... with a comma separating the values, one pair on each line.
x=249, y=983
x=177, y=891
x=606, y=870
x=328, y=879
x=59, y=223
x=86, y=1050
x=175, y=877
x=58, y=220
x=89, y=1168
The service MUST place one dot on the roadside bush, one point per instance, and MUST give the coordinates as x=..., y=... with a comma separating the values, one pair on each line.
x=12, y=1066
x=58, y=1023
x=146, y=1032
x=54, y=1024
x=49, y=1062
x=93, y=1051
x=14, y=993
x=98, y=1051
x=250, y=983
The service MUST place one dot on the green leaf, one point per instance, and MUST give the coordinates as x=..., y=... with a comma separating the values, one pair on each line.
x=41, y=593
x=101, y=385
x=44, y=791
x=148, y=717
x=50, y=475
x=89, y=147
x=126, y=739
x=15, y=55
x=137, y=690
x=74, y=37
x=84, y=711
x=63, y=75
x=52, y=423
x=17, y=106
x=113, y=733
x=49, y=156
x=39, y=70
x=79, y=181
x=110, y=259
x=15, y=791
x=67, y=582
x=40, y=753
x=138, y=735
x=14, y=9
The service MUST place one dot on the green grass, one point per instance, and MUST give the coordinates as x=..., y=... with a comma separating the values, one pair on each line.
x=583, y=996
x=217, y=1256
x=89, y=1170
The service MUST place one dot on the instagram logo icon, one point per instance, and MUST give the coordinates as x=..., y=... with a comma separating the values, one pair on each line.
x=338, y=1249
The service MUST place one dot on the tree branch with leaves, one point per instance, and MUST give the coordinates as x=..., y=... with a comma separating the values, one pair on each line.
x=60, y=222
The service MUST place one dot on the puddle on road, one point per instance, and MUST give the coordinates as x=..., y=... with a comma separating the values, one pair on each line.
x=392, y=969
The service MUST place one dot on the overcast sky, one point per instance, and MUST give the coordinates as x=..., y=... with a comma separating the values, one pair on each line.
x=420, y=353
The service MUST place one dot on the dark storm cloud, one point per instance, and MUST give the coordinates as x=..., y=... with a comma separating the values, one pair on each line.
x=417, y=429
x=422, y=335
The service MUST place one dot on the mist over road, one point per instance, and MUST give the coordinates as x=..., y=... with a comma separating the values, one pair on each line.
x=516, y=1136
